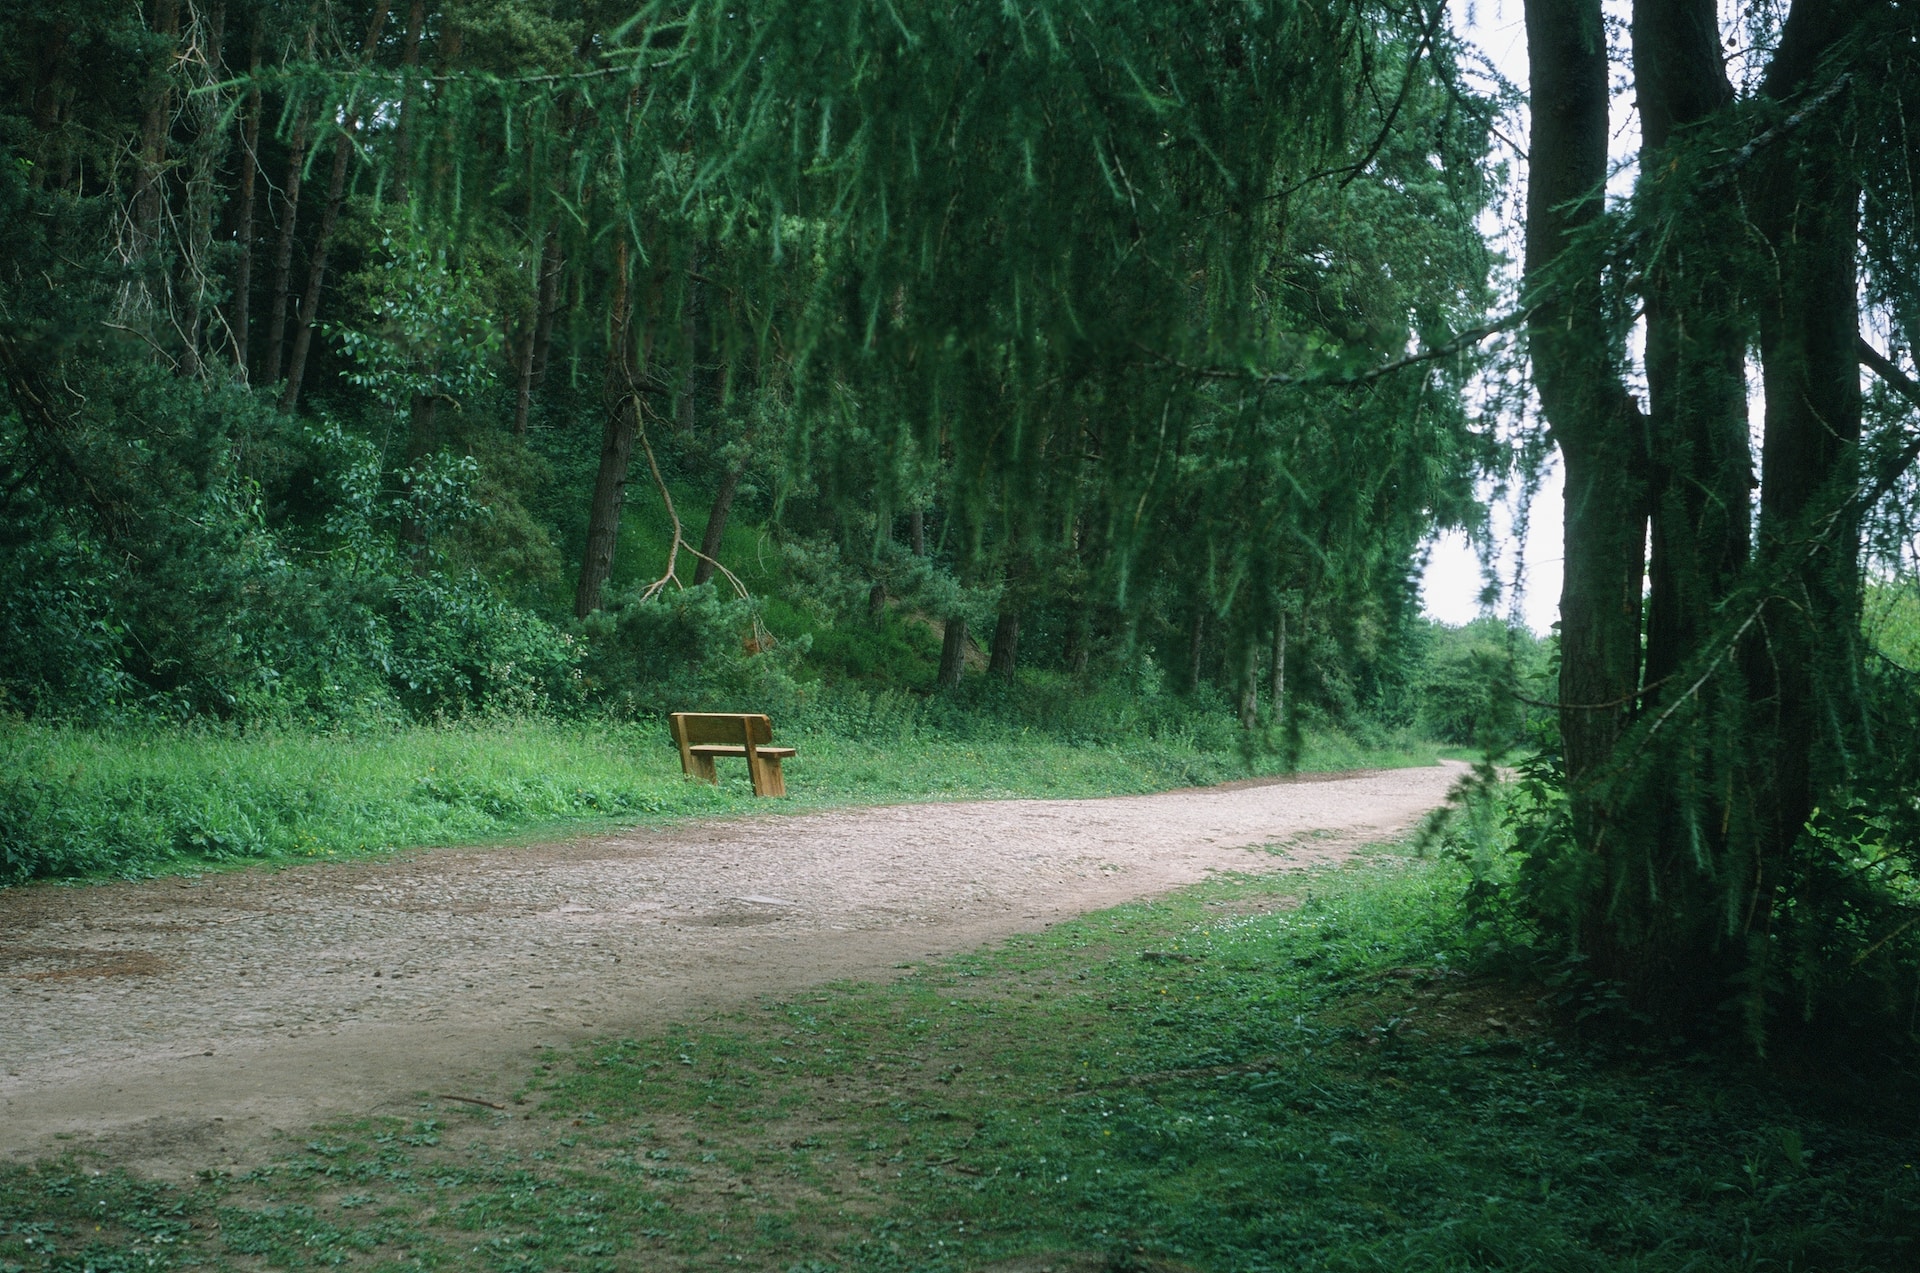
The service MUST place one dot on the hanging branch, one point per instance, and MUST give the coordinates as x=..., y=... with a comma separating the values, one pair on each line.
x=671, y=575
x=1278, y=379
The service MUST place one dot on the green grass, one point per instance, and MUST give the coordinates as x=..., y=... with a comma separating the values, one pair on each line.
x=1294, y=1072
x=129, y=802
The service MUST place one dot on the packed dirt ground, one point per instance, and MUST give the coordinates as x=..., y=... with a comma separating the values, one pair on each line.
x=176, y=1024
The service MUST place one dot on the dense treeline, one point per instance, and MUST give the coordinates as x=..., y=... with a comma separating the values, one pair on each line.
x=343, y=342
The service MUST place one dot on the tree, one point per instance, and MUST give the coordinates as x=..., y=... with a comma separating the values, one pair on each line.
x=1691, y=868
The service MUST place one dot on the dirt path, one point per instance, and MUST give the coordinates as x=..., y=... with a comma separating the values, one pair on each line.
x=176, y=1024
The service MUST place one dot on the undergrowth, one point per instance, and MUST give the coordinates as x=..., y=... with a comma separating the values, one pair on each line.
x=1281, y=1072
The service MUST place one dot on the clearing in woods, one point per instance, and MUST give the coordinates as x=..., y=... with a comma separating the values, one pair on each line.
x=174, y=1025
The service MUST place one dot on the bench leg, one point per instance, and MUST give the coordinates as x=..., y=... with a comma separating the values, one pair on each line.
x=702, y=767
x=766, y=776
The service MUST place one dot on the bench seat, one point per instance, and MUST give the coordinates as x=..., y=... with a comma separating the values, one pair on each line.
x=722, y=749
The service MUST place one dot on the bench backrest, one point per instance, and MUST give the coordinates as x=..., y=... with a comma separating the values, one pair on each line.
x=730, y=728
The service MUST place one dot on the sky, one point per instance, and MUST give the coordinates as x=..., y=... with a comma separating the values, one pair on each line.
x=1455, y=577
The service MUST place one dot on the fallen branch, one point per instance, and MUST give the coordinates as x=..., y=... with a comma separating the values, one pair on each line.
x=467, y=1100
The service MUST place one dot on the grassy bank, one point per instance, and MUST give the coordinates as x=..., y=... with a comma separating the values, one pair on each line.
x=1278, y=1073
x=130, y=802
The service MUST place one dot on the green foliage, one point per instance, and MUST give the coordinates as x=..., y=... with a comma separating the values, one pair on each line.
x=1473, y=680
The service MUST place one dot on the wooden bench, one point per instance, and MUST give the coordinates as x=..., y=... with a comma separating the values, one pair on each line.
x=702, y=736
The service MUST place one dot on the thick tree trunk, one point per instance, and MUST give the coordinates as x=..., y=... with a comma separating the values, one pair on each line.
x=917, y=532
x=717, y=524
x=1801, y=667
x=249, y=184
x=1598, y=430
x=953, y=653
x=1701, y=463
x=1005, y=658
x=617, y=438
x=1592, y=418
x=323, y=236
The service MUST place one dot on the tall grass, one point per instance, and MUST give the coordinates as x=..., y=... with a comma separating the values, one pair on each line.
x=133, y=801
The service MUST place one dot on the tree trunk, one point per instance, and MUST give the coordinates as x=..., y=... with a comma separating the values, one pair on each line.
x=618, y=435
x=533, y=355
x=289, y=222
x=1250, y=687
x=917, y=532
x=249, y=183
x=323, y=237
x=1278, y=692
x=403, y=130
x=149, y=191
x=1592, y=419
x=551, y=265
x=717, y=524
x=1196, y=647
x=203, y=192
x=1802, y=666
x=1701, y=463
x=55, y=157
x=953, y=653
x=1006, y=645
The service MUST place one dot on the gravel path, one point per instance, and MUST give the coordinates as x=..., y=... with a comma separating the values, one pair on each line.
x=176, y=1024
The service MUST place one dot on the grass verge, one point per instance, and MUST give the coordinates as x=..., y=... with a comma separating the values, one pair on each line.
x=134, y=802
x=1278, y=1072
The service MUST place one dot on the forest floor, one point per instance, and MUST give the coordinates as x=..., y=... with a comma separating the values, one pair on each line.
x=175, y=1026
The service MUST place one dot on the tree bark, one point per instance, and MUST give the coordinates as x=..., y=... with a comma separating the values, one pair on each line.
x=1591, y=417
x=1278, y=693
x=249, y=183
x=1250, y=687
x=1196, y=648
x=203, y=193
x=533, y=353
x=1801, y=671
x=323, y=236
x=149, y=193
x=1701, y=463
x=617, y=438
x=403, y=130
x=289, y=223
x=953, y=653
x=917, y=532
x=1005, y=658
x=717, y=524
